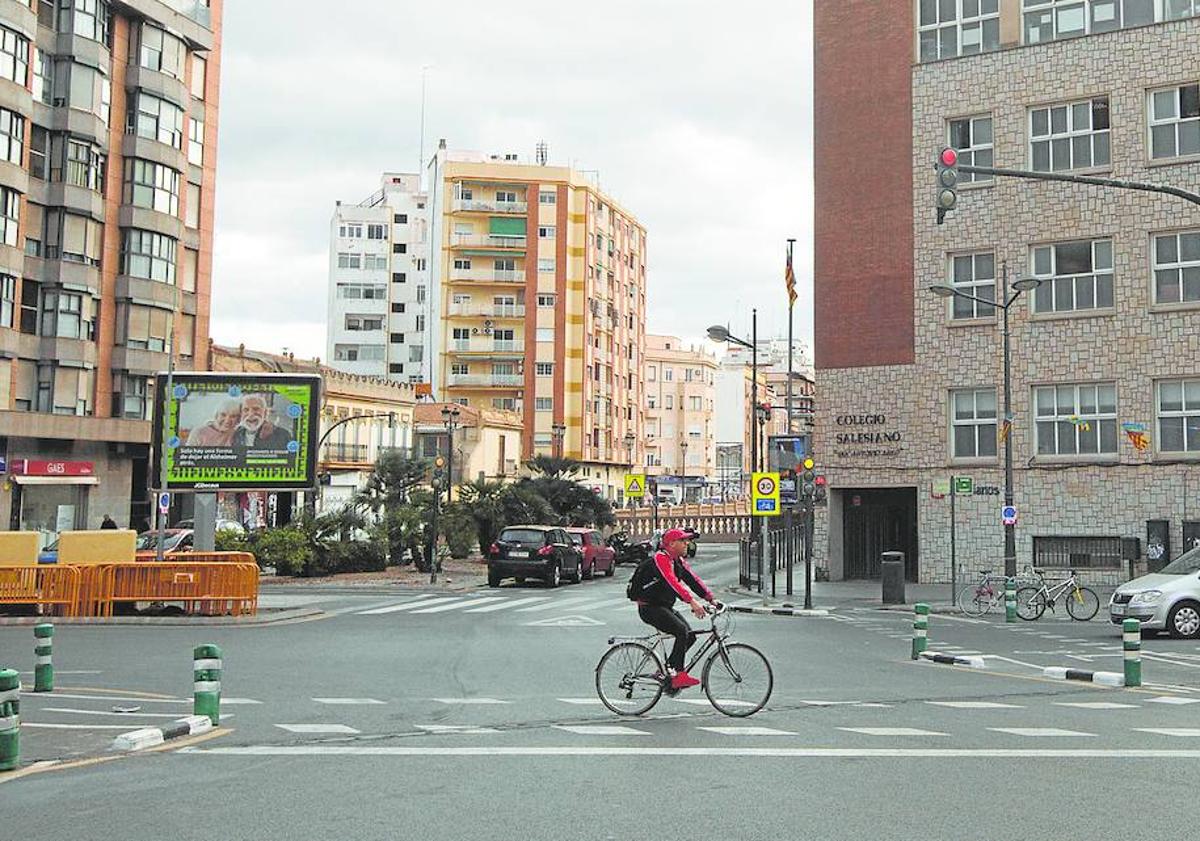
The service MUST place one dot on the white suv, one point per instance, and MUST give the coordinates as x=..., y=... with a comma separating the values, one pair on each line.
x=1168, y=600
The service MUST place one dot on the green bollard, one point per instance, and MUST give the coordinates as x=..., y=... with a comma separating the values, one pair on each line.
x=206, y=677
x=1010, y=600
x=10, y=720
x=1131, y=641
x=43, y=671
x=920, y=630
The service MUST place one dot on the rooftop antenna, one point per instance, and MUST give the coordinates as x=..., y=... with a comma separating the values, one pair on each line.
x=543, y=153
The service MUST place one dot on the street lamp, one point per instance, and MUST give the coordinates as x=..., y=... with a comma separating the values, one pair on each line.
x=630, y=439
x=559, y=430
x=717, y=333
x=763, y=413
x=1025, y=284
x=683, y=445
x=450, y=415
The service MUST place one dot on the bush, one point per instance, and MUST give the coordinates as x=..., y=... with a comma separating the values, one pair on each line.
x=348, y=556
x=229, y=540
x=287, y=549
x=458, y=526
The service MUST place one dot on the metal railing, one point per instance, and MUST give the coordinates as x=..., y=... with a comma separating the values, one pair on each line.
x=493, y=380
x=491, y=206
x=488, y=240
x=494, y=276
x=345, y=452
x=489, y=310
x=500, y=346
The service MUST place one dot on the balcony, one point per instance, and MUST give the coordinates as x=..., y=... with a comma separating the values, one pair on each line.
x=345, y=453
x=486, y=381
x=515, y=243
x=476, y=347
x=488, y=310
x=486, y=276
x=484, y=206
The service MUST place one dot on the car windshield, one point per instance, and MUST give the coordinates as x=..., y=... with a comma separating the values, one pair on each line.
x=1186, y=563
x=526, y=536
x=149, y=540
x=577, y=539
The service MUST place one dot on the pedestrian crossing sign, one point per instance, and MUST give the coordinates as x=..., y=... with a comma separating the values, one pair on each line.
x=635, y=485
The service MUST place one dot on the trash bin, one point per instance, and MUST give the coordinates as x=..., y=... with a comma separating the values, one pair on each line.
x=892, y=564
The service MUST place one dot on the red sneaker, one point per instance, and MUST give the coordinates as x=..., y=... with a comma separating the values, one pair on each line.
x=683, y=680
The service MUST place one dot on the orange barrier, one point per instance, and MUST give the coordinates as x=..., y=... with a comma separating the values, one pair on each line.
x=52, y=586
x=201, y=557
x=204, y=588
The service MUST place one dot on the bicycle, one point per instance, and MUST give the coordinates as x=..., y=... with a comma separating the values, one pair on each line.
x=737, y=678
x=978, y=599
x=1082, y=602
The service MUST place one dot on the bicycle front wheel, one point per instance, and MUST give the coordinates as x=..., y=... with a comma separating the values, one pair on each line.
x=629, y=678
x=1031, y=603
x=737, y=679
x=974, y=600
x=1083, y=604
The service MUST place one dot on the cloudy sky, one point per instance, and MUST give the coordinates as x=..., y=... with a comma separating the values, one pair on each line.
x=697, y=116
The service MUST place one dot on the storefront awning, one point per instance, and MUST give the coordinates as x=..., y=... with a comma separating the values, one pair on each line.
x=55, y=480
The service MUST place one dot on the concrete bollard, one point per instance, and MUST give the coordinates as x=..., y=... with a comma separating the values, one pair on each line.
x=10, y=720
x=43, y=670
x=1131, y=642
x=1010, y=600
x=206, y=677
x=920, y=629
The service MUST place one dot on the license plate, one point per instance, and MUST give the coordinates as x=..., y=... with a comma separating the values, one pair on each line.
x=518, y=554
x=1118, y=610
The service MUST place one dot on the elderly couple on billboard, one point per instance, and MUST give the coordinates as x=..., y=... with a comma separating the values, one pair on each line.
x=241, y=422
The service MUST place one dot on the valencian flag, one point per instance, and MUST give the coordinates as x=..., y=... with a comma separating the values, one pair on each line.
x=789, y=278
x=1137, y=435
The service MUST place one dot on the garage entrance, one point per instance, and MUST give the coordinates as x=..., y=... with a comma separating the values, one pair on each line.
x=877, y=520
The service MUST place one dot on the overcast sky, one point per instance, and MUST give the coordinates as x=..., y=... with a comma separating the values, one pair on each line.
x=697, y=116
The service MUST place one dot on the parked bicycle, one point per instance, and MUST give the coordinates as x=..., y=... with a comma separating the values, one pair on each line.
x=978, y=599
x=737, y=678
x=1082, y=602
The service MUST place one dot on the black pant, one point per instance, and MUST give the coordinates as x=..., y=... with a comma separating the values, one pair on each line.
x=670, y=622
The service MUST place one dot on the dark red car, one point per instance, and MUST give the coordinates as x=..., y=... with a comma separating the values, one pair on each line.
x=598, y=556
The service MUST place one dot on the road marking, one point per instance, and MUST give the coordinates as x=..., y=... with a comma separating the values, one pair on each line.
x=581, y=701
x=1191, y=754
x=80, y=726
x=392, y=608
x=748, y=731
x=975, y=705
x=71, y=672
x=348, y=701
x=442, y=605
x=1038, y=732
x=469, y=701
x=1172, y=699
x=317, y=728
x=1185, y=732
x=601, y=730
x=575, y=621
x=892, y=731
x=58, y=695
x=507, y=604
x=465, y=729
x=557, y=603
x=1096, y=705
x=106, y=712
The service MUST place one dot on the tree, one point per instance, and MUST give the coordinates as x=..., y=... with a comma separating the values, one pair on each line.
x=571, y=503
x=521, y=504
x=393, y=480
x=482, y=498
x=554, y=466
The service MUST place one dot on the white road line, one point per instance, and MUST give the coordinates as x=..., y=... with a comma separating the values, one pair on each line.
x=975, y=705
x=1173, y=700
x=348, y=701
x=469, y=701
x=442, y=605
x=57, y=696
x=1191, y=754
x=464, y=729
x=392, y=608
x=556, y=603
x=1096, y=705
x=71, y=672
x=601, y=730
x=581, y=701
x=472, y=602
x=1038, y=732
x=506, y=604
x=748, y=731
x=607, y=603
x=1184, y=732
x=106, y=712
x=318, y=728
x=892, y=731
x=128, y=726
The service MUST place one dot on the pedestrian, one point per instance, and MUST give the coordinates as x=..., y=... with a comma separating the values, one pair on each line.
x=108, y=522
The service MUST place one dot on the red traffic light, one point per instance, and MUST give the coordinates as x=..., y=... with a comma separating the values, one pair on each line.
x=820, y=480
x=949, y=157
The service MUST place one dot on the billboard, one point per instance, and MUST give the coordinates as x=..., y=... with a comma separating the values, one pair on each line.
x=785, y=455
x=227, y=431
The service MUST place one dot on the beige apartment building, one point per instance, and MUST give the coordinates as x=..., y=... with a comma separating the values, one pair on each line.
x=487, y=442
x=680, y=434
x=536, y=305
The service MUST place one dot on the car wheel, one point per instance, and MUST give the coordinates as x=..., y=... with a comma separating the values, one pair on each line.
x=612, y=567
x=493, y=578
x=554, y=577
x=520, y=579
x=591, y=571
x=577, y=576
x=1184, y=620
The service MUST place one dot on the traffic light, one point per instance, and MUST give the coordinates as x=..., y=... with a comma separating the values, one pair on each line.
x=438, y=479
x=821, y=487
x=808, y=479
x=946, y=195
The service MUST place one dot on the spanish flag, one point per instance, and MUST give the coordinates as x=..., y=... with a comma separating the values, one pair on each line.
x=789, y=278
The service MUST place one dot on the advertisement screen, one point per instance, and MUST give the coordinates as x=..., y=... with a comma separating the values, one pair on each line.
x=785, y=455
x=237, y=431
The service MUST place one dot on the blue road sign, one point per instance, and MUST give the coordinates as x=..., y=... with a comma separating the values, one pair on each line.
x=1009, y=515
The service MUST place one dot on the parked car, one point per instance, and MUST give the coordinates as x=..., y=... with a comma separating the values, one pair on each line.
x=174, y=540
x=1167, y=600
x=543, y=552
x=222, y=525
x=598, y=556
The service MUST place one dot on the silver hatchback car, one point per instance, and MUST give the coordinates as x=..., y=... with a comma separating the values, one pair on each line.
x=1168, y=600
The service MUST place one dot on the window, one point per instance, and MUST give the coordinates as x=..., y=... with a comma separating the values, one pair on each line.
x=376, y=231
x=399, y=248
x=670, y=402
x=375, y=262
x=1175, y=122
x=349, y=260
x=651, y=401
x=43, y=76
x=1177, y=268
x=66, y=315
x=420, y=264
x=958, y=27
x=399, y=277
x=396, y=338
x=505, y=404
x=362, y=291
x=544, y=369
x=85, y=164
x=545, y=300
x=416, y=353
x=1076, y=419
x=1179, y=9
x=1076, y=276
x=652, y=373
x=8, y=299
x=397, y=308
x=12, y=137
x=462, y=263
x=351, y=230
x=149, y=255
x=460, y=298
x=63, y=390
x=30, y=293
x=199, y=75
x=546, y=232
x=196, y=141
x=668, y=374
x=187, y=281
x=152, y=186
x=420, y=294
x=465, y=193
x=973, y=423
x=696, y=404
x=1069, y=136
x=400, y=219
x=39, y=146
x=89, y=18
x=14, y=55
x=1046, y=20
x=420, y=328
x=156, y=119
x=365, y=323
x=460, y=368
x=547, y=197
x=1179, y=416
x=503, y=196
x=545, y=334
x=972, y=137
x=546, y=265
x=144, y=328
x=543, y=404
x=974, y=274
x=461, y=337
x=161, y=51
x=131, y=396
x=10, y=202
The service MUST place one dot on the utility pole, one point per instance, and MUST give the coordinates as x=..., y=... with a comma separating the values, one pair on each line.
x=166, y=431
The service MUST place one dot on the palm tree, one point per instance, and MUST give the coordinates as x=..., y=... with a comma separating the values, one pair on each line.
x=394, y=478
x=554, y=466
x=483, y=498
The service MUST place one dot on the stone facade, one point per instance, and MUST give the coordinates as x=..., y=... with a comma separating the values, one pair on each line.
x=1132, y=344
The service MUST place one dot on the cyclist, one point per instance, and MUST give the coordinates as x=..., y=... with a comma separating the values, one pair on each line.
x=671, y=578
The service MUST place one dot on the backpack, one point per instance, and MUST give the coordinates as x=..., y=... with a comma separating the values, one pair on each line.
x=644, y=577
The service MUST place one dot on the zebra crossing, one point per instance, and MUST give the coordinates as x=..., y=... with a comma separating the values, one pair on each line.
x=521, y=604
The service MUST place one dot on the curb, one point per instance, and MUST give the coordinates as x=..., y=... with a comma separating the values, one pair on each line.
x=953, y=659
x=1101, y=678
x=778, y=611
x=149, y=737
x=244, y=621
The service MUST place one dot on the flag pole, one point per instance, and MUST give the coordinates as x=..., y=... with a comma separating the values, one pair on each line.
x=791, y=306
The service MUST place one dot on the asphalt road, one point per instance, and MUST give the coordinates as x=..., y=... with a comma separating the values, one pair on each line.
x=474, y=715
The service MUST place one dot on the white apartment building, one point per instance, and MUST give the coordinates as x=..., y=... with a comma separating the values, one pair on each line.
x=379, y=283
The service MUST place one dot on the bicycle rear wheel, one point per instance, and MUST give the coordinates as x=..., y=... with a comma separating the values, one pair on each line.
x=629, y=678
x=738, y=680
x=1083, y=604
x=1031, y=603
x=974, y=600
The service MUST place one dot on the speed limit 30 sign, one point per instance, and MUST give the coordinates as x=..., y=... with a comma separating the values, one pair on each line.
x=764, y=494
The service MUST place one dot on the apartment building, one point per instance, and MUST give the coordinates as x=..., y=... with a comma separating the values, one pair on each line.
x=379, y=282
x=680, y=429
x=108, y=150
x=487, y=442
x=1105, y=421
x=538, y=283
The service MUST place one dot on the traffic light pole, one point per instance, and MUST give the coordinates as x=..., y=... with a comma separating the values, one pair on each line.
x=1115, y=183
x=809, y=523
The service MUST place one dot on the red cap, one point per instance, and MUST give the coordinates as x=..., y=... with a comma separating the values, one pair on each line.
x=674, y=534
